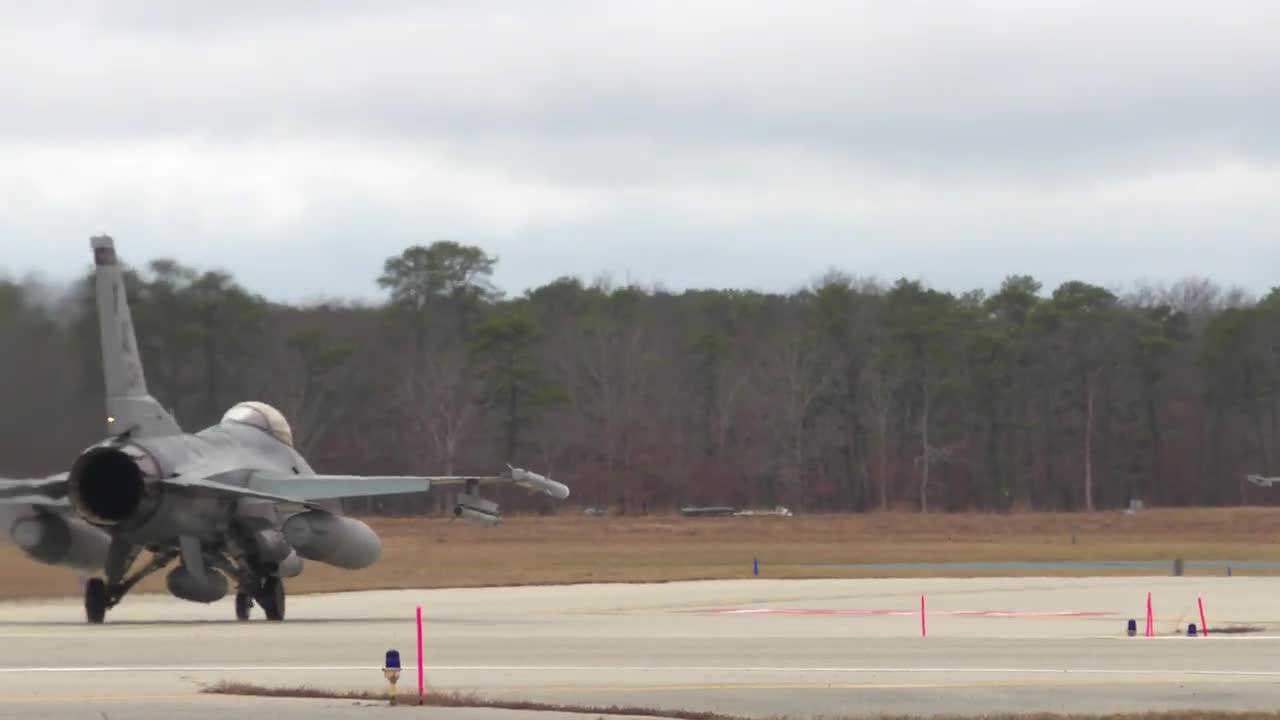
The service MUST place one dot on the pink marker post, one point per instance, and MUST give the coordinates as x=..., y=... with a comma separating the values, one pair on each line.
x=421, y=697
x=1204, y=626
x=922, y=630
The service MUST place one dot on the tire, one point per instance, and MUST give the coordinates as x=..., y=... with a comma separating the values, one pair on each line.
x=96, y=600
x=244, y=604
x=271, y=598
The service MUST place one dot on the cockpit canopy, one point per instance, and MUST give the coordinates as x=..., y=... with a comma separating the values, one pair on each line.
x=262, y=416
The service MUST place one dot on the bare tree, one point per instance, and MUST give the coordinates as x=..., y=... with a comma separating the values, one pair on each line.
x=797, y=373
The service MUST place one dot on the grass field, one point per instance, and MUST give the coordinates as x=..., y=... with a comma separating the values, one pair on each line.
x=436, y=552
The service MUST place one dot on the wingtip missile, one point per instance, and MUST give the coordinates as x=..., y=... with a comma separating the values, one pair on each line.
x=1261, y=481
x=540, y=483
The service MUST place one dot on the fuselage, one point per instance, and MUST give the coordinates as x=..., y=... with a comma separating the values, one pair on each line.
x=115, y=484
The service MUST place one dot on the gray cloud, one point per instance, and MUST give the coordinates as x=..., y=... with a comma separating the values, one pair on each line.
x=710, y=143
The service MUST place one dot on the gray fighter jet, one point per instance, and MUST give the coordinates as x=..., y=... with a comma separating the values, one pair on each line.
x=232, y=502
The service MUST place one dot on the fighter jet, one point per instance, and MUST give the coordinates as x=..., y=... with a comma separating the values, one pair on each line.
x=234, y=502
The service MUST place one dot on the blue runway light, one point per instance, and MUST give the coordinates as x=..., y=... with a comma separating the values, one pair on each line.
x=1133, y=628
x=391, y=671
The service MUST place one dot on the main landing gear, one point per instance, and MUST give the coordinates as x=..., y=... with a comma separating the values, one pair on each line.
x=96, y=600
x=271, y=597
x=100, y=596
x=267, y=592
x=244, y=604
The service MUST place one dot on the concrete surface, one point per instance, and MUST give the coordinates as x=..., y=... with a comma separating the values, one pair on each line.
x=751, y=647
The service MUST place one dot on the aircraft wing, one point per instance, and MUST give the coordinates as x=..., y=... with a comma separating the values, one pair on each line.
x=216, y=487
x=299, y=490
x=302, y=492
x=49, y=491
x=330, y=487
x=326, y=487
x=282, y=487
x=304, y=489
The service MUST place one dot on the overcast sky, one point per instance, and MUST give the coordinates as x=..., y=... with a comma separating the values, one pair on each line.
x=700, y=144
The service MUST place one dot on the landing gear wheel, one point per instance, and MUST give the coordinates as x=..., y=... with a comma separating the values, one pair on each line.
x=271, y=598
x=244, y=604
x=96, y=600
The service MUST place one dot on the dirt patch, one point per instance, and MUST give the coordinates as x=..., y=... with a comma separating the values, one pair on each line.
x=1235, y=629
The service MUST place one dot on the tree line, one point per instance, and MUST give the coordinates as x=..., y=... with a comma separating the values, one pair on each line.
x=847, y=395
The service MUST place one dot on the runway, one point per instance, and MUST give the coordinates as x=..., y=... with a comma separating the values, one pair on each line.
x=753, y=647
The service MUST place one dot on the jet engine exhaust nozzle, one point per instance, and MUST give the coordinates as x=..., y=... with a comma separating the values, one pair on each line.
x=111, y=485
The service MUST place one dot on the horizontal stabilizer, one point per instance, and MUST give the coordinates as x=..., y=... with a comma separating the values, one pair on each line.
x=36, y=501
x=52, y=487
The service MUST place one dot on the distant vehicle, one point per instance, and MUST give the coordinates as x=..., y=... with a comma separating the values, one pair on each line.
x=716, y=511
x=723, y=511
x=232, y=501
x=779, y=510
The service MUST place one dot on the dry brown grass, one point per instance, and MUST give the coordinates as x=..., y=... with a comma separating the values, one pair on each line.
x=434, y=698
x=435, y=552
x=1162, y=715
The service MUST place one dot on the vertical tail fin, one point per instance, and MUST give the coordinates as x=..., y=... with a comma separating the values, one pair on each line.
x=129, y=406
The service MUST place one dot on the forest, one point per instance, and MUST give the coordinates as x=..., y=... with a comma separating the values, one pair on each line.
x=847, y=395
